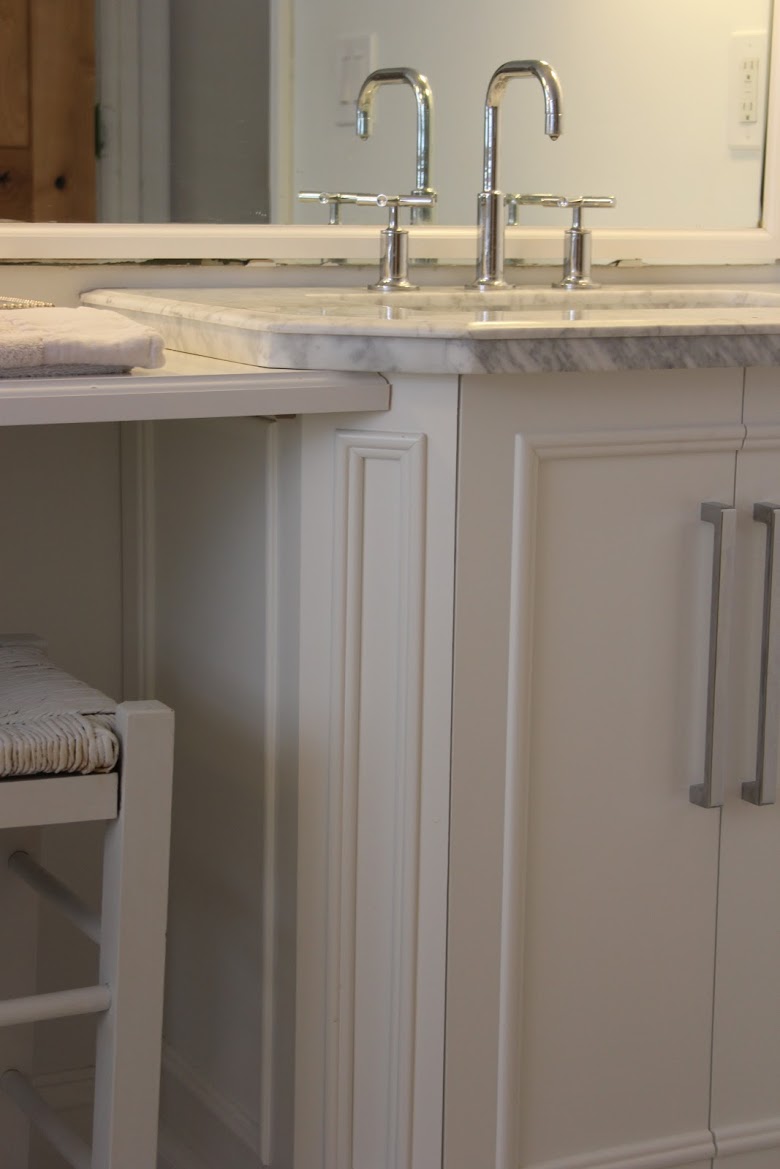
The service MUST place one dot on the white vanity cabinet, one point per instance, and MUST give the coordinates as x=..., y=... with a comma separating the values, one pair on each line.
x=612, y=951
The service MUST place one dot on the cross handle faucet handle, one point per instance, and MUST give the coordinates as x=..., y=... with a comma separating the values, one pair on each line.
x=358, y=199
x=575, y=204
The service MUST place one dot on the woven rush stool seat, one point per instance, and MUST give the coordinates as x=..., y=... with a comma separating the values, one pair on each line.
x=70, y=754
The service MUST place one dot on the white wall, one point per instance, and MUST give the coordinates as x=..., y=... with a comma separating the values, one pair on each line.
x=646, y=105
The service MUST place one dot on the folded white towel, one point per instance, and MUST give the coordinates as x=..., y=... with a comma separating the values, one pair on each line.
x=37, y=341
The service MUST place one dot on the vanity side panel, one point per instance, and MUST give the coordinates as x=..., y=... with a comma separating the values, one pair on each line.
x=582, y=881
x=215, y=655
x=376, y=630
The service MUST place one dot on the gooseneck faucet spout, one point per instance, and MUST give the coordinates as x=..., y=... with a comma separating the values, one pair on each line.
x=424, y=98
x=490, y=210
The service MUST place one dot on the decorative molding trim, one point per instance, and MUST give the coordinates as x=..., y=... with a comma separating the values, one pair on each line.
x=212, y=1109
x=762, y=438
x=734, y=1139
x=270, y=784
x=352, y=666
x=137, y=500
x=517, y=781
x=666, y=1153
x=659, y=440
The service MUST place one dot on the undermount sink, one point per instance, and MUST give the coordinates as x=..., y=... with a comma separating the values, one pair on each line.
x=529, y=305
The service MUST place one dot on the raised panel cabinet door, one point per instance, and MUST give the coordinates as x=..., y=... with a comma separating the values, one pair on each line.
x=583, y=880
x=746, y=1048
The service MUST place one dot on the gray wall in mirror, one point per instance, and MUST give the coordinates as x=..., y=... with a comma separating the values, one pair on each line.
x=219, y=111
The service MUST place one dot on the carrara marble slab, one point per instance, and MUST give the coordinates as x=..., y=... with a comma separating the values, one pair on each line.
x=464, y=331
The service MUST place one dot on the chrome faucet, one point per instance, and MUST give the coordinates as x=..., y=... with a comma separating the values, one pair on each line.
x=424, y=97
x=490, y=201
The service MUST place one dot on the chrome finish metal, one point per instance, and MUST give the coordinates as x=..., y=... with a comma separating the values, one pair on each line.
x=334, y=202
x=710, y=793
x=394, y=251
x=490, y=258
x=763, y=789
x=421, y=213
x=576, y=258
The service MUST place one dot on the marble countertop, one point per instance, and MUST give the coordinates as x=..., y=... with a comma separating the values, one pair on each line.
x=441, y=330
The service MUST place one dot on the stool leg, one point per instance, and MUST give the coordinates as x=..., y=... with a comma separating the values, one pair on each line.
x=18, y=958
x=132, y=952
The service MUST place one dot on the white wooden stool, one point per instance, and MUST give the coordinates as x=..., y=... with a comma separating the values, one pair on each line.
x=69, y=754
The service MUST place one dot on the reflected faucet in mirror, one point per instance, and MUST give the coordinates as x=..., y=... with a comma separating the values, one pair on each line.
x=490, y=201
x=424, y=97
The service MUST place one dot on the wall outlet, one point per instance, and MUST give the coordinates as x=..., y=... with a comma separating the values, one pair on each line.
x=748, y=75
x=356, y=59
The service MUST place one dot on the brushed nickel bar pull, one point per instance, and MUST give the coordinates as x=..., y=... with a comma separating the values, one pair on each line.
x=763, y=789
x=710, y=793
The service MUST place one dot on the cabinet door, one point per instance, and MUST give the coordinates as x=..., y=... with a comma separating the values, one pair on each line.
x=583, y=881
x=746, y=1050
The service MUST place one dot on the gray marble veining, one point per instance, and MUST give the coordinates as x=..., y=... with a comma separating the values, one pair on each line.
x=464, y=331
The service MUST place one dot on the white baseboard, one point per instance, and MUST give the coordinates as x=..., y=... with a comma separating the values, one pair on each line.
x=196, y=1116
x=68, y=1090
x=193, y=1116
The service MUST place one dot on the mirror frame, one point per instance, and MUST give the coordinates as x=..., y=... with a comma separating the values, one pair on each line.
x=104, y=242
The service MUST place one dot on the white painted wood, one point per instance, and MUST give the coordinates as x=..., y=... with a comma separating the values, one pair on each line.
x=66, y=1142
x=746, y=1051
x=60, y=1004
x=573, y=1037
x=376, y=611
x=202, y=1116
x=315, y=243
x=216, y=501
x=375, y=794
x=132, y=953
x=273, y=649
x=133, y=86
x=61, y=799
x=18, y=945
x=138, y=517
x=159, y=395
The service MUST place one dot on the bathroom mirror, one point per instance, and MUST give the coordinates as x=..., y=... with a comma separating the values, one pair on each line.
x=214, y=116
x=655, y=94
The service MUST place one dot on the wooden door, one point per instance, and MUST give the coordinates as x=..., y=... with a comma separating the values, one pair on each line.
x=47, y=110
x=583, y=881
